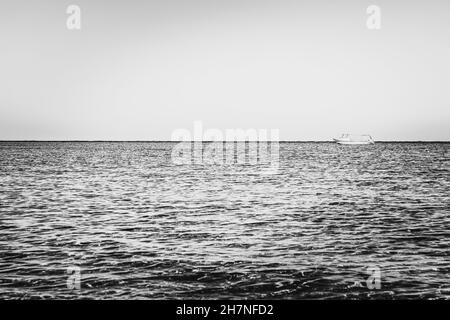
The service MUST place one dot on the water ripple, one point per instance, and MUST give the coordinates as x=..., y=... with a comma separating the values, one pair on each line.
x=140, y=227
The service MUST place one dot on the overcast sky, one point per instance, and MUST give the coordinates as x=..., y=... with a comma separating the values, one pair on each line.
x=138, y=70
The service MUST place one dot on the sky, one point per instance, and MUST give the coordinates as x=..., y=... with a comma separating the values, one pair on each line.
x=139, y=70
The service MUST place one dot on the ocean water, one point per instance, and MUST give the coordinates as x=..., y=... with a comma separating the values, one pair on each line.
x=139, y=227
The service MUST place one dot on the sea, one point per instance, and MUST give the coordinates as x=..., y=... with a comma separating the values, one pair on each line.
x=121, y=220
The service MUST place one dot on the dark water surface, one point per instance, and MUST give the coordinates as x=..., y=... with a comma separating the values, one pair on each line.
x=139, y=226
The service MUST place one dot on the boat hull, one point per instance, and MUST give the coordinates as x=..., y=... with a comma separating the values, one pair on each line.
x=354, y=142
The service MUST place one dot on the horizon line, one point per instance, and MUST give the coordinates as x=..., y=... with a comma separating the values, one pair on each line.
x=209, y=141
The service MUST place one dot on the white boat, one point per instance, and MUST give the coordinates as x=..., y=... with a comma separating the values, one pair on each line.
x=354, y=139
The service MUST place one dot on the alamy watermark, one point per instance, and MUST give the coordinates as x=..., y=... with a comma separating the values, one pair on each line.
x=74, y=278
x=257, y=149
x=374, y=19
x=374, y=279
x=73, y=21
